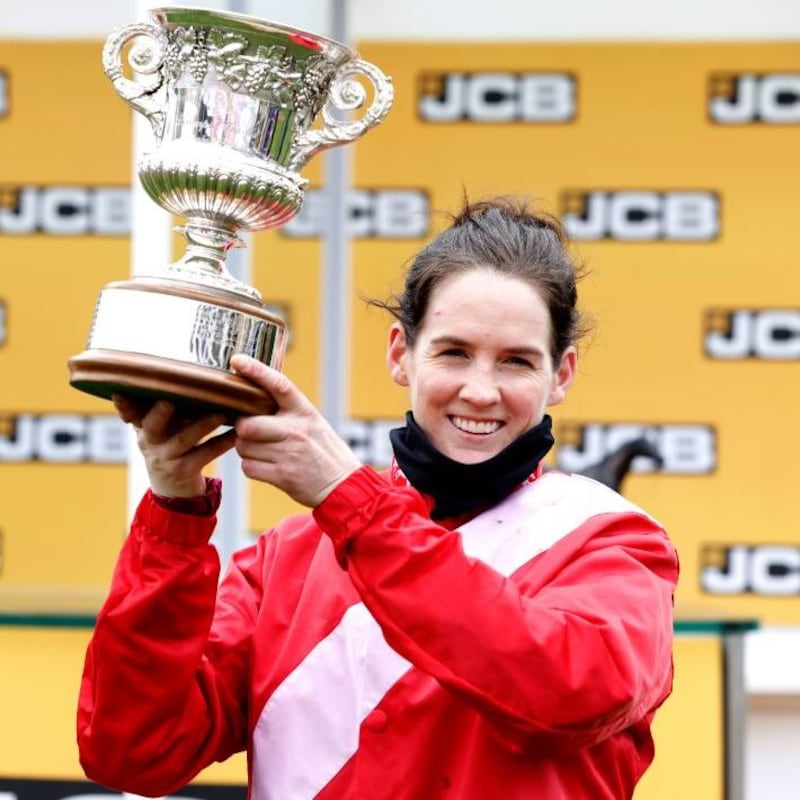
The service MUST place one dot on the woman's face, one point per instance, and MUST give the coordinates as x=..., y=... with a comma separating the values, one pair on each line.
x=480, y=372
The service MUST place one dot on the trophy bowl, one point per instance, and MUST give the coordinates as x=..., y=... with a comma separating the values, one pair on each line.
x=238, y=105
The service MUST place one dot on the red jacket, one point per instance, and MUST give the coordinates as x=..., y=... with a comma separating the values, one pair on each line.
x=389, y=658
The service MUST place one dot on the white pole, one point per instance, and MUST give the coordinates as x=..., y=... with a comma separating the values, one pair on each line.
x=334, y=366
x=151, y=245
x=151, y=242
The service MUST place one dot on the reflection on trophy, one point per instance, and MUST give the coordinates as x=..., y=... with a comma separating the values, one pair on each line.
x=232, y=101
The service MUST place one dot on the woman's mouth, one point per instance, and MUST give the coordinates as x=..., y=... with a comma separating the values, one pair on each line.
x=481, y=428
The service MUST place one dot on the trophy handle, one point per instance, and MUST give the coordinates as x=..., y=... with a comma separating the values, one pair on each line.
x=345, y=95
x=146, y=61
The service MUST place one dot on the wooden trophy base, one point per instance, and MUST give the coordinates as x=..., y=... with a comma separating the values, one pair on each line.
x=161, y=339
x=195, y=390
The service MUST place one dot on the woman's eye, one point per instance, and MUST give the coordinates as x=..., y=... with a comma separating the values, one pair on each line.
x=452, y=352
x=518, y=361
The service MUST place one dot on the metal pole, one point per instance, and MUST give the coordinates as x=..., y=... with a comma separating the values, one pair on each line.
x=735, y=713
x=334, y=365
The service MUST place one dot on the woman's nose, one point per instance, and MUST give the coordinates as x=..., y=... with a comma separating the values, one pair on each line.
x=480, y=387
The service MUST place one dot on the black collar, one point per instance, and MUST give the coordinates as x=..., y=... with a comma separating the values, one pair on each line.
x=458, y=488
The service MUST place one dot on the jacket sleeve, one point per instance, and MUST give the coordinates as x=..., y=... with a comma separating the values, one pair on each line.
x=574, y=646
x=164, y=688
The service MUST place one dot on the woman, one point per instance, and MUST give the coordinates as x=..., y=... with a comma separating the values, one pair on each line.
x=463, y=626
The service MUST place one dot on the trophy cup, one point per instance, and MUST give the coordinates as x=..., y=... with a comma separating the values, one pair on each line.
x=232, y=100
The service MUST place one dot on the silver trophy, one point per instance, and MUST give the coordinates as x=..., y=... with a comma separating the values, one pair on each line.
x=238, y=106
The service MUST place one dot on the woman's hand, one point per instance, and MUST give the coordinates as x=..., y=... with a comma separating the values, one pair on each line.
x=175, y=450
x=294, y=449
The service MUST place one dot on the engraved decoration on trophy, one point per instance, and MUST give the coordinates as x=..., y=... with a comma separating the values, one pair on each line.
x=238, y=105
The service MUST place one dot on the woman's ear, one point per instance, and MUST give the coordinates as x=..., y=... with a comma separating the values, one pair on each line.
x=563, y=376
x=396, y=354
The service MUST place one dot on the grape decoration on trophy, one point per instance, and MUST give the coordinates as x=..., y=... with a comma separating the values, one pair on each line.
x=233, y=101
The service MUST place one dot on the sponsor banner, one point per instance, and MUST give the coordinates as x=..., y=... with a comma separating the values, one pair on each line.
x=641, y=215
x=677, y=182
x=63, y=439
x=767, y=334
x=756, y=570
x=685, y=449
x=64, y=233
x=747, y=98
x=501, y=96
x=65, y=210
x=369, y=214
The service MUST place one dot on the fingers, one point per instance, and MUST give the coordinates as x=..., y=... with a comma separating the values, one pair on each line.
x=181, y=474
x=128, y=409
x=161, y=426
x=177, y=443
x=215, y=446
x=267, y=430
x=286, y=394
x=137, y=410
x=161, y=420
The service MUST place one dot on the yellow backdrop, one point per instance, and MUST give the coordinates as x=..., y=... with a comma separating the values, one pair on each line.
x=675, y=167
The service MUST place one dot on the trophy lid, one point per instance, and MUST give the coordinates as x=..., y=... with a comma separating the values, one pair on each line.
x=259, y=32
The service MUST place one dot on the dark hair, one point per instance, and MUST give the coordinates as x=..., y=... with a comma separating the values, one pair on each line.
x=505, y=234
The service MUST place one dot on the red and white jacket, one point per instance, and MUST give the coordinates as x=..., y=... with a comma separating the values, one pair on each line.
x=366, y=652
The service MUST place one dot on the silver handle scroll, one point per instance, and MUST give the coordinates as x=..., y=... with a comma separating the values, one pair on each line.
x=345, y=95
x=146, y=61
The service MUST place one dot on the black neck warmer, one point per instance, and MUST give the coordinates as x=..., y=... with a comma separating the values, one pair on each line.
x=460, y=488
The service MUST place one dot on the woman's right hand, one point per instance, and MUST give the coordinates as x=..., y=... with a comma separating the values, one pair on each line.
x=175, y=449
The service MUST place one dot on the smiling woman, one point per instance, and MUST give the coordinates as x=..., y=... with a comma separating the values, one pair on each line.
x=463, y=626
x=485, y=337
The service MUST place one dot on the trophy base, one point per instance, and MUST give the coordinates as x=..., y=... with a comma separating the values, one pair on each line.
x=195, y=390
x=161, y=338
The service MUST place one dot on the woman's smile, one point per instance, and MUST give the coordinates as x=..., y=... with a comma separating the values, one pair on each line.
x=476, y=427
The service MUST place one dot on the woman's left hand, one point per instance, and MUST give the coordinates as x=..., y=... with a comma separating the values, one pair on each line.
x=295, y=448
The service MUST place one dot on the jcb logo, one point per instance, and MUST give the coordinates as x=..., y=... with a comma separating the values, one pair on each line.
x=65, y=210
x=770, y=334
x=63, y=439
x=497, y=97
x=369, y=213
x=369, y=439
x=769, y=570
x=684, y=449
x=772, y=99
x=641, y=216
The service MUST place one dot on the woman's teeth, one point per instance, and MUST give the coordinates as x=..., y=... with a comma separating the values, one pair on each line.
x=471, y=426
